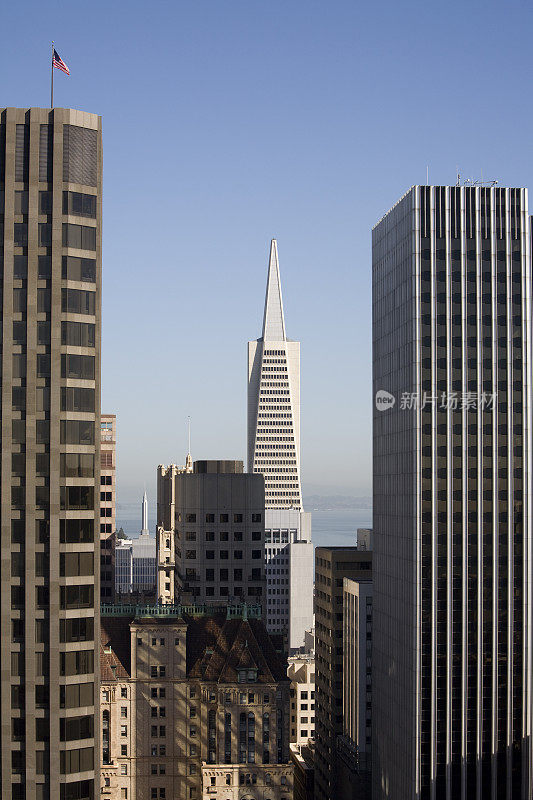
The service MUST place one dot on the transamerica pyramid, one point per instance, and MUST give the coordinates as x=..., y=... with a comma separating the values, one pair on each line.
x=274, y=451
x=274, y=401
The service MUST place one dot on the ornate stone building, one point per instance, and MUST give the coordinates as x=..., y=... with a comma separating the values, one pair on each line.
x=193, y=705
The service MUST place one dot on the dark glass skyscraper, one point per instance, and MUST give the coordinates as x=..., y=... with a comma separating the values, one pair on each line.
x=50, y=252
x=452, y=496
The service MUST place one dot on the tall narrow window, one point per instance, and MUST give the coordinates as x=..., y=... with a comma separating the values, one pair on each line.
x=251, y=738
x=212, y=737
x=227, y=738
x=105, y=738
x=242, y=738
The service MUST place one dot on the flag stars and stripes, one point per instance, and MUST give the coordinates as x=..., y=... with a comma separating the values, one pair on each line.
x=58, y=63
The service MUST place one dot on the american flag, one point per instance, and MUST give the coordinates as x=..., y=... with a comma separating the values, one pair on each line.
x=58, y=63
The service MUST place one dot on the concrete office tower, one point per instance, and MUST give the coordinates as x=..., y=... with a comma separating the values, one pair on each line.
x=274, y=451
x=332, y=565
x=452, y=495
x=108, y=520
x=210, y=533
x=50, y=244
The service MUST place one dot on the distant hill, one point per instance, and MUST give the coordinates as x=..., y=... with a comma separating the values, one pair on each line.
x=335, y=502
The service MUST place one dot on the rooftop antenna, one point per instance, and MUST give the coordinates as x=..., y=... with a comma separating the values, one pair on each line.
x=188, y=460
x=427, y=175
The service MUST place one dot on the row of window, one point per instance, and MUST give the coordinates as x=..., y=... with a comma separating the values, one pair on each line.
x=253, y=591
x=77, y=334
x=222, y=554
x=75, y=203
x=275, y=439
x=237, y=574
x=223, y=518
x=278, y=537
x=272, y=462
x=289, y=448
x=82, y=237
x=74, y=398
x=190, y=536
x=74, y=268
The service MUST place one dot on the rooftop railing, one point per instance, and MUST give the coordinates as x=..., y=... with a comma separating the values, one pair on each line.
x=233, y=611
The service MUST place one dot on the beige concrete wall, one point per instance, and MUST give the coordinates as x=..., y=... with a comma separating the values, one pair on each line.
x=31, y=561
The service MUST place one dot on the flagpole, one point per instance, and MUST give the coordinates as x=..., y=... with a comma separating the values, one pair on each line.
x=52, y=80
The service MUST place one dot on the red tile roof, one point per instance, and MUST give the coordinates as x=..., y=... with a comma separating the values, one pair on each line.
x=115, y=648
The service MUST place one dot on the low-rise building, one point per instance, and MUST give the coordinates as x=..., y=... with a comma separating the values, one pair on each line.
x=194, y=705
x=302, y=758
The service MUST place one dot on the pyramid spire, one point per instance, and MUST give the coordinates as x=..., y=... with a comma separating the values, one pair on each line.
x=273, y=321
x=145, y=514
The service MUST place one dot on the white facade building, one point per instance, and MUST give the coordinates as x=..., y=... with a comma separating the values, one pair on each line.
x=274, y=452
x=301, y=671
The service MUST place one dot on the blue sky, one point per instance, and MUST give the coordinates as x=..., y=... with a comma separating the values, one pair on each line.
x=228, y=122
